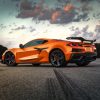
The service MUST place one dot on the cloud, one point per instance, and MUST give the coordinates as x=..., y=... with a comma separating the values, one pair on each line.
x=63, y=15
x=97, y=30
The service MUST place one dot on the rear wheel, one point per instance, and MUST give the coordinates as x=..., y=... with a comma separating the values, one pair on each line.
x=57, y=58
x=10, y=59
x=82, y=63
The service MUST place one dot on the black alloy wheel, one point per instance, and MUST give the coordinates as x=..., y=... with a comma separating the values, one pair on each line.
x=10, y=59
x=57, y=58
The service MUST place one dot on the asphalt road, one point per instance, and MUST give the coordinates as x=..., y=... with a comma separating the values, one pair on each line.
x=45, y=82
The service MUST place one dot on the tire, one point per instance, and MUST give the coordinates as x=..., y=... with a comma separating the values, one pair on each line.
x=10, y=59
x=82, y=63
x=57, y=58
x=36, y=64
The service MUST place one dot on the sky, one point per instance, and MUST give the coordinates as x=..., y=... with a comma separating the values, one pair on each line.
x=24, y=20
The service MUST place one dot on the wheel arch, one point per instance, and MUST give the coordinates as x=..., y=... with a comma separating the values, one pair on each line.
x=8, y=51
x=7, y=63
x=53, y=50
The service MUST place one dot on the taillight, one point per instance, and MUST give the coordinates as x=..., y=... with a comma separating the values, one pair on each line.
x=74, y=44
x=69, y=44
x=80, y=44
x=94, y=49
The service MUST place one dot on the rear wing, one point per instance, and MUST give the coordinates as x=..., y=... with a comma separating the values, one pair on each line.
x=81, y=39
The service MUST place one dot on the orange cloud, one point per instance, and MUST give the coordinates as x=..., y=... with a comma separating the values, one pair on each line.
x=68, y=7
x=54, y=16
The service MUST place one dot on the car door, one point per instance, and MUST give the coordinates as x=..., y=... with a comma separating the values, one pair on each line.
x=30, y=52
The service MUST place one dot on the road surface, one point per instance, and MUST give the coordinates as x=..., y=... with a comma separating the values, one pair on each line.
x=45, y=82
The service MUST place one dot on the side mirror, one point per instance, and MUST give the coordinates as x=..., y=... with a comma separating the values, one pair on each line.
x=21, y=46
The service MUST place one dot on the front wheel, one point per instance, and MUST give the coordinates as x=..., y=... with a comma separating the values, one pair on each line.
x=57, y=58
x=10, y=59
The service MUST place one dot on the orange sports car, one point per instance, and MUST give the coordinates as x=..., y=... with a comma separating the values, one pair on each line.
x=57, y=52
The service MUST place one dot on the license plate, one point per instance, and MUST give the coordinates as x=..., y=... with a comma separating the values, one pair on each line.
x=88, y=49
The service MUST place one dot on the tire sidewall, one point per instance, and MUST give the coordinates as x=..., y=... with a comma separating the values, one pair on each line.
x=63, y=62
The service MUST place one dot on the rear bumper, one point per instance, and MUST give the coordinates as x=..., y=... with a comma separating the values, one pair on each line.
x=87, y=57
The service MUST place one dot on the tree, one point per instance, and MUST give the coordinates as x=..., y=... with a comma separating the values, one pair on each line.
x=2, y=50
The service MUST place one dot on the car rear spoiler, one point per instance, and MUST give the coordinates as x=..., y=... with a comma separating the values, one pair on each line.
x=81, y=39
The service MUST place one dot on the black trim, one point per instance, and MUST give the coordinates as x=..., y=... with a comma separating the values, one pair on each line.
x=88, y=57
x=76, y=50
x=80, y=38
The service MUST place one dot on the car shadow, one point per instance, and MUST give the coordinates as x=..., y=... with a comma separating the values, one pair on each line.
x=50, y=66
